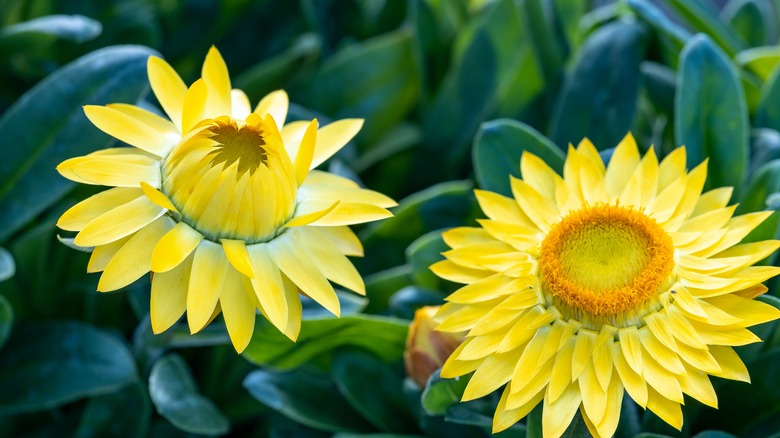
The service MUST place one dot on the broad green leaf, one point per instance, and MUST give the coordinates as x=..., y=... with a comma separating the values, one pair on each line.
x=421, y=254
x=659, y=82
x=751, y=20
x=373, y=389
x=443, y=205
x=7, y=265
x=406, y=301
x=48, y=364
x=124, y=413
x=497, y=149
x=47, y=125
x=703, y=17
x=570, y=13
x=764, y=147
x=497, y=59
x=768, y=113
x=306, y=396
x=762, y=61
x=383, y=336
x=76, y=28
x=763, y=183
x=175, y=395
x=6, y=320
x=377, y=79
x=714, y=434
x=439, y=393
x=382, y=285
x=605, y=81
x=541, y=22
x=671, y=35
x=711, y=119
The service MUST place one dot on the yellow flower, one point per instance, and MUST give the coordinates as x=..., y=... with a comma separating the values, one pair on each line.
x=608, y=279
x=221, y=204
x=427, y=349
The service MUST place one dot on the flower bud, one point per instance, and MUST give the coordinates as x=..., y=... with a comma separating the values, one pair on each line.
x=426, y=348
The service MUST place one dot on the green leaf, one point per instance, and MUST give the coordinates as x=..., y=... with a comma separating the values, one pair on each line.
x=711, y=119
x=748, y=19
x=124, y=413
x=762, y=61
x=713, y=434
x=175, y=395
x=6, y=320
x=540, y=20
x=439, y=394
x=764, y=147
x=763, y=183
x=660, y=22
x=406, y=301
x=498, y=146
x=76, y=28
x=383, y=336
x=7, y=265
x=768, y=113
x=377, y=79
x=424, y=252
x=703, y=18
x=440, y=206
x=48, y=364
x=373, y=389
x=605, y=80
x=659, y=82
x=305, y=396
x=47, y=125
x=381, y=287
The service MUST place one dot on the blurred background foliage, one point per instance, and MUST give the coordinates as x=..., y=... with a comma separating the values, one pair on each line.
x=452, y=92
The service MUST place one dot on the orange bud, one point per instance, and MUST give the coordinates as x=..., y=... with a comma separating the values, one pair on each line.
x=426, y=348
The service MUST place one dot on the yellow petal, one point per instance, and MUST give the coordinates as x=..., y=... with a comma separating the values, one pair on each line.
x=238, y=308
x=344, y=239
x=103, y=254
x=538, y=174
x=292, y=134
x=78, y=216
x=731, y=365
x=621, y=166
x=667, y=410
x=301, y=219
x=276, y=104
x=119, y=222
x=217, y=79
x=306, y=152
x=502, y=209
x=238, y=256
x=672, y=167
x=208, y=276
x=542, y=211
x=174, y=247
x=134, y=126
x=662, y=380
x=505, y=418
x=126, y=170
x=294, y=309
x=169, y=296
x=345, y=213
x=697, y=384
x=269, y=287
x=631, y=348
x=713, y=199
x=560, y=379
x=608, y=425
x=331, y=138
x=134, y=259
x=168, y=88
x=634, y=383
x=451, y=271
x=240, y=104
x=594, y=398
x=557, y=415
x=338, y=193
x=495, y=371
x=583, y=348
x=289, y=255
x=158, y=197
x=335, y=265
x=194, y=109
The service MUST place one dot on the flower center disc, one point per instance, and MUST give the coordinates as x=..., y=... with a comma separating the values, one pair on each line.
x=605, y=261
x=232, y=179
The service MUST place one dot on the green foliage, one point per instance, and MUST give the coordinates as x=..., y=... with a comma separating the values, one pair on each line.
x=453, y=94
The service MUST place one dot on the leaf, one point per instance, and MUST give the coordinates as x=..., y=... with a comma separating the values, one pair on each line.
x=703, y=18
x=764, y=147
x=306, y=396
x=761, y=60
x=47, y=126
x=373, y=389
x=7, y=265
x=406, y=301
x=763, y=183
x=76, y=28
x=6, y=320
x=421, y=254
x=748, y=19
x=383, y=285
x=711, y=119
x=48, y=364
x=383, y=336
x=439, y=394
x=124, y=413
x=605, y=81
x=498, y=146
x=175, y=395
x=768, y=112
x=440, y=206
x=713, y=434
x=659, y=82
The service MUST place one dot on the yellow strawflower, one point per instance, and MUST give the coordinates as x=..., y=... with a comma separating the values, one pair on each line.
x=221, y=203
x=606, y=279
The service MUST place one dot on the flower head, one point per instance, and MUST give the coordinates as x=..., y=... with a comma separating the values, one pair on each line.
x=606, y=280
x=221, y=203
x=427, y=349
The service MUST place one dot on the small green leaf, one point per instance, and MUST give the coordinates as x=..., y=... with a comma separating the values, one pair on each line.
x=7, y=265
x=6, y=320
x=306, y=396
x=48, y=364
x=47, y=125
x=605, y=80
x=439, y=394
x=711, y=118
x=703, y=17
x=406, y=301
x=762, y=61
x=381, y=287
x=373, y=389
x=124, y=413
x=76, y=28
x=751, y=20
x=714, y=434
x=498, y=146
x=768, y=113
x=175, y=395
x=383, y=336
